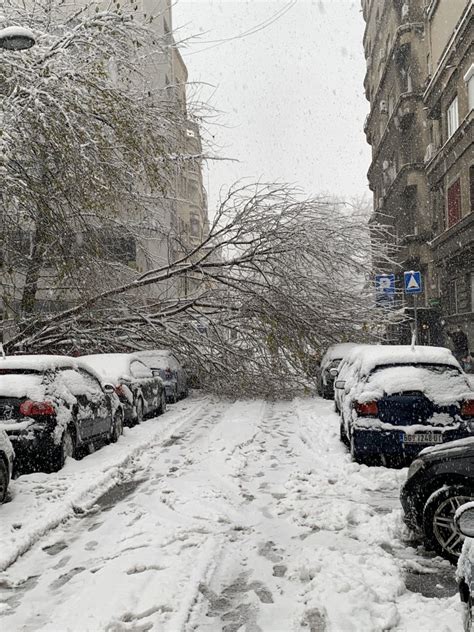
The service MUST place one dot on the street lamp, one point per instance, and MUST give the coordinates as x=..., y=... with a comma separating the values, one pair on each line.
x=12, y=38
x=16, y=38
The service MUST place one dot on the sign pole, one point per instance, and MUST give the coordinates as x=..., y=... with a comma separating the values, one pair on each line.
x=415, y=315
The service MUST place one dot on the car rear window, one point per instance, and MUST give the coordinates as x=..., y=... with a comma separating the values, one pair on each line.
x=435, y=368
x=19, y=383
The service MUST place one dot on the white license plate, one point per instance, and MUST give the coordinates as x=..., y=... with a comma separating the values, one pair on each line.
x=423, y=437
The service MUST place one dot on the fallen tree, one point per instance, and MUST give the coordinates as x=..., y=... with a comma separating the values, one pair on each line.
x=276, y=280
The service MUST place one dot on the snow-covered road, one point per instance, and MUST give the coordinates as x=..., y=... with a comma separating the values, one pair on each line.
x=217, y=516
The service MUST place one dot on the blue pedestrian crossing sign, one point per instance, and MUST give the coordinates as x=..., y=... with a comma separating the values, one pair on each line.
x=413, y=282
x=385, y=289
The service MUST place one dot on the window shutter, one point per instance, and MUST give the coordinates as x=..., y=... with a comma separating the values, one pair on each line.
x=454, y=203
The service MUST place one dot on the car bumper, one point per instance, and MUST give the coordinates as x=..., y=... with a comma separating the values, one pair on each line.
x=371, y=442
x=34, y=448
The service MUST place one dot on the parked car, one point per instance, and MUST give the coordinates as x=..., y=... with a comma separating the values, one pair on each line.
x=141, y=392
x=170, y=370
x=439, y=481
x=464, y=521
x=331, y=360
x=51, y=408
x=396, y=400
x=6, y=464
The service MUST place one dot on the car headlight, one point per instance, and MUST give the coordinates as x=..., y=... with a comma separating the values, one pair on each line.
x=415, y=467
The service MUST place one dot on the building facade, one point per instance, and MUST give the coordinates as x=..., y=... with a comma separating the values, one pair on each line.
x=419, y=83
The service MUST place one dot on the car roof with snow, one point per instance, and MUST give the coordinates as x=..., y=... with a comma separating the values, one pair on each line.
x=368, y=357
x=37, y=362
x=339, y=350
x=112, y=366
x=160, y=358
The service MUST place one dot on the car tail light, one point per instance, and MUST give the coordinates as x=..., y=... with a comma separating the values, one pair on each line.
x=36, y=409
x=120, y=390
x=366, y=408
x=467, y=408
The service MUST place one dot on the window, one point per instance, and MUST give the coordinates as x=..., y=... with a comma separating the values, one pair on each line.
x=454, y=203
x=469, y=79
x=472, y=291
x=471, y=186
x=453, y=117
x=453, y=296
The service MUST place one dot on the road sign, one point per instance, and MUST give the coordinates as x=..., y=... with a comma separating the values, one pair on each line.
x=385, y=283
x=385, y=289
x=413, y=282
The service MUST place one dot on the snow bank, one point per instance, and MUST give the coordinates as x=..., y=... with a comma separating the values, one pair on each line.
x=40, y=502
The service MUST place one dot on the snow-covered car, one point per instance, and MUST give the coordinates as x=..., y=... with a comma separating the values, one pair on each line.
x=331, y=360
x=439, y=481
x=170, y=370
x=464, y=523
x=140, y=390
x=6, y=464
x=51, y=408
x=396, y=400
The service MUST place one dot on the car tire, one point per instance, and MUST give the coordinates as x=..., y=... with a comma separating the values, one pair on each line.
x=139, y=415
x=343, y=434
x=438, y=520
x=67, y=448
x=4, y=480
x=162, y=406
x=467, y=615
x=117, y=428
x=355, y=452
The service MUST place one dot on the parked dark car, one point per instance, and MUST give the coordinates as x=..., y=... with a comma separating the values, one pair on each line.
x=331, y=360
x=170, y=370
x=439, y=481
x=51, y=409
x=141, y=392
x=464, y=521
x=6, y=464
x=396, y=400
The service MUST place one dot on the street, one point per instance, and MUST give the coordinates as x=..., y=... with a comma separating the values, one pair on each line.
x=219, y=515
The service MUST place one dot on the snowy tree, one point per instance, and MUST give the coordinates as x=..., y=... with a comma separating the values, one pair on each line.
x=82, y=138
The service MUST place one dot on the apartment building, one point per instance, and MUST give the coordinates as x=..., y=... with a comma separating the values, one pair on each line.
x=420, y=87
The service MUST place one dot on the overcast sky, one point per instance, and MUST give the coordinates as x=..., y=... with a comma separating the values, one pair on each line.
x=290, y=94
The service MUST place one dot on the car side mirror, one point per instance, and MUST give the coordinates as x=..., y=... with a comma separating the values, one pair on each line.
x=108, y=388
x=333, y=372
x=340, y=384
x=464, y=520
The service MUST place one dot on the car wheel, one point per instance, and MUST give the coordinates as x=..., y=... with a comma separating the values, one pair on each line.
x=65, y=449
x=117, y=428
x=4, y=480
x=438, y=520
x=468, y=615
x=355, y=452
x=139, y=416
x=343, y=434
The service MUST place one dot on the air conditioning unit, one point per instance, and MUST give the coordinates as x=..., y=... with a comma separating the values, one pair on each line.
x=381, y=202
x=383, y=107
x=385, y=165
x=190, y=133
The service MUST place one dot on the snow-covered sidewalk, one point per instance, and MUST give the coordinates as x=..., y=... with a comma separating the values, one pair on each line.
x=242, y=516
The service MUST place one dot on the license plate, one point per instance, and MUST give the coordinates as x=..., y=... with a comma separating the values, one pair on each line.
x=423, y=437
